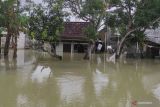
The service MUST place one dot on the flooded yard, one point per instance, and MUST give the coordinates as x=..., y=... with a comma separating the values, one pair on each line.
x=37, y=80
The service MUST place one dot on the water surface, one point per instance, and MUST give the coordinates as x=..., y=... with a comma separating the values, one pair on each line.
x=37, y=80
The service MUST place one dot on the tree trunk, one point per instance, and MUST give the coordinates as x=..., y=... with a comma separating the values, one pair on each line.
x=89, y=51
x=121, y=43
x=52, y=51
x=15, y=48
x=7, y=43
x=87, y=56
x=0, y=46
x=141, y=51
x=119, y=47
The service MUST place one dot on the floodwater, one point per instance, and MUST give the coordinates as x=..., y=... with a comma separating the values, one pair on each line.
x=37, y=80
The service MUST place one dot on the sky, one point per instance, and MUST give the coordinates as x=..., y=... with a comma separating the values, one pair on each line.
x=72, y=18
x=36, y=1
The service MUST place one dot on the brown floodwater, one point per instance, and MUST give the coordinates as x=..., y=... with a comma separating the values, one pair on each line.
x=35, y=79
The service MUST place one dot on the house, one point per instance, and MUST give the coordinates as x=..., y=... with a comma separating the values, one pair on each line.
x=151, y=48
x=152, y=43
x=73, y=38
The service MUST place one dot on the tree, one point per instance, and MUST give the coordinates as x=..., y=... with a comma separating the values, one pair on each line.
x=132, y=18
x=1, y=30
x=9, y=21
x=13, y=20
x=93, y=11
x=46, y=23
x=7, y=13
x=1, y=25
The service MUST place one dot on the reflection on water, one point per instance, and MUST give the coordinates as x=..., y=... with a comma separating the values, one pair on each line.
x=100, y=81
x=41, y=74
x=22, y=101
x=156, y=92
x=71, y=88
x=35, y=79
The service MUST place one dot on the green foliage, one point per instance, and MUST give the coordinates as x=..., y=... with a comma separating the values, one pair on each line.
x=46, y=23
x=147, y=12
x=32, y=34
x=92, y=11
x=91, y=32
x=92, y=7
x=134, y=14
x=1, y=30
x=23, y=21
x=10, y=17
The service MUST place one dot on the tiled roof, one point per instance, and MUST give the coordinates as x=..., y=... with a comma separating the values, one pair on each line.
x=74, y=30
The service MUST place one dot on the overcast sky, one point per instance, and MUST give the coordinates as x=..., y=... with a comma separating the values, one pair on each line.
x=36, y=1
x=72, y=18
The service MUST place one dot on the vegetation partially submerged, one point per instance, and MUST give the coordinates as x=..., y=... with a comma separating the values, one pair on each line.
x=129, y=18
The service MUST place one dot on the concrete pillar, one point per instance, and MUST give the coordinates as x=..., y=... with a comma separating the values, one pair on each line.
x=72, y=50
x=59, y=49
x=21, y=41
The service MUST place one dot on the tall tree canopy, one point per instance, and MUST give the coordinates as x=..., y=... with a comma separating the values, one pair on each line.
x=9, y=20
x=12, y=21
x=93, y=11
x=46, y=22
x=132, y=18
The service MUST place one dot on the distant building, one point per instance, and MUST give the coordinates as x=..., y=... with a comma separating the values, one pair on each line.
x=74, y=31
x=151, y=47
x=73, y=38
x=152, y=43
x=153, y=35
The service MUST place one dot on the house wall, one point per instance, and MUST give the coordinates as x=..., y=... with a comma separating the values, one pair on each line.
x=59, y=49
x=20, y=41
